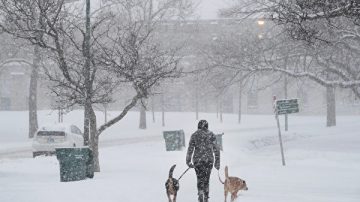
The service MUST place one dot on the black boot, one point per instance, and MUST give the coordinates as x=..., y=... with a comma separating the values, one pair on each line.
x=206, y=196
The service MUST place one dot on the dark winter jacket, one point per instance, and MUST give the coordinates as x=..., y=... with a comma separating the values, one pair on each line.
x=203, y=145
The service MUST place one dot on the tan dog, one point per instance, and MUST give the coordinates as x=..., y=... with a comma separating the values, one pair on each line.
x=232, y=185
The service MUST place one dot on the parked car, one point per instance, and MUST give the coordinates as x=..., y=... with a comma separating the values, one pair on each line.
x=49, y=137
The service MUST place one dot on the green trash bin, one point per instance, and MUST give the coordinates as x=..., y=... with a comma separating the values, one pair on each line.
x=75, y=163
x=219, y=141
x=174, y=140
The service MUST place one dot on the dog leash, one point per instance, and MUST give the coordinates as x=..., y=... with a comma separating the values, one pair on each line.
x=184, y=173
x=220, y=177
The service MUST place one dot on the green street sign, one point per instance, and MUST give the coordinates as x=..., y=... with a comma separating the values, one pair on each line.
x=287, y=106
x=286, y=101
x=284, y=107
x=288, y=111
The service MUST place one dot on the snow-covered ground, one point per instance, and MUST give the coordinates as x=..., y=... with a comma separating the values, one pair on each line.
x=323, y=164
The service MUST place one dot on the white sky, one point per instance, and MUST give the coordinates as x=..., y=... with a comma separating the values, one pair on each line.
x=207, y=9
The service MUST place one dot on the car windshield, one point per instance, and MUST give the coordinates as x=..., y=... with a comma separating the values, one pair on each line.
x=51, y=133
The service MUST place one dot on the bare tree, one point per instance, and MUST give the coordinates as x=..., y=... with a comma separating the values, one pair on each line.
x=322, y=25
x=219, y=74
x=254, y=55
x=303, y=20
x=96, y=52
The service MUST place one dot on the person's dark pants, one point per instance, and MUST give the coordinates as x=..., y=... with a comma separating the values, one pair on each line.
x=203, y=171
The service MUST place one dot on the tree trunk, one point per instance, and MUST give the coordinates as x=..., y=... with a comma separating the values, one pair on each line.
x=197, y=102
x=163, y=109
x=330, y=107
x=142, y=124
x=88, y=86
x=87, y=118
x=94, y=139
x=33, y=122
x=90, y=130
x=153, y=109
x=240, y=96
x=217, y=107
x=60, y=115
x=221, y=109
x=95, y=150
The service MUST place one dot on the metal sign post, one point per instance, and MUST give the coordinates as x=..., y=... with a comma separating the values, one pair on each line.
x=280, y=140
x=284, y=107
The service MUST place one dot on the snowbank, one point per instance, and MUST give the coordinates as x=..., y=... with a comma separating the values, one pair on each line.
x=322, y=163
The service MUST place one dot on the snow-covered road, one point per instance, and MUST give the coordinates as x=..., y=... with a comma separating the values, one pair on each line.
x=25, y=151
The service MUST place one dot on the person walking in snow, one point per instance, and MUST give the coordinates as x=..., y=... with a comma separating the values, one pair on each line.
x=200, y=155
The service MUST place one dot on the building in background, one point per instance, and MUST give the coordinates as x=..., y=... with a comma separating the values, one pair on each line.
x=187, y=94
x=14, y=88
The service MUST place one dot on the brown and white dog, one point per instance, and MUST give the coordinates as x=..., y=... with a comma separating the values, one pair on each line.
x=232, y=185
x=172, y=185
